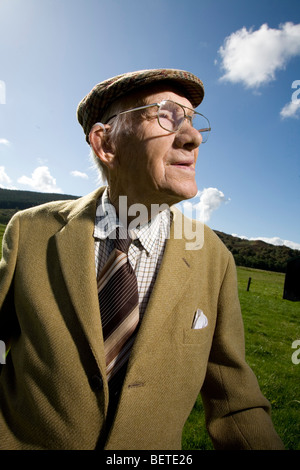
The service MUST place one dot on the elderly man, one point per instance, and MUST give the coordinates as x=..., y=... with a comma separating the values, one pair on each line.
x=116, y=322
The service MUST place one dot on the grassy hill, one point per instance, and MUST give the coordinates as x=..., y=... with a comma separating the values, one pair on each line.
x=254, y=254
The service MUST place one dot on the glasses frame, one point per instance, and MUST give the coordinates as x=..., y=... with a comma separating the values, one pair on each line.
x=186, y=116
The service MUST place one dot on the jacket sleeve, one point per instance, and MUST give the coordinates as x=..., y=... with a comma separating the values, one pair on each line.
x=7, y=268
x=237, y=414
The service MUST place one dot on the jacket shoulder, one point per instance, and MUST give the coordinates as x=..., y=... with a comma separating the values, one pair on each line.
x=213, y=239
x=205, y=238
x=64, y=208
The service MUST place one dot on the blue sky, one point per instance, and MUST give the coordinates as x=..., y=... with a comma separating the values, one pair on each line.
x=52, y=52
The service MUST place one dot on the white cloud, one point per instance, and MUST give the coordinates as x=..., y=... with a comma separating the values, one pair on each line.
x=41, y=180
x=291, y=110
x=5, y=142
x=2, y=92
x=210, y=199
x=273, y=241
x=79, y=174
x=5, y=180
x=253, y=57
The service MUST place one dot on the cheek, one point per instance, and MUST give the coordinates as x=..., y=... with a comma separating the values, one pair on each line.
x=156, y=153
x=127, y=156
x=145, y=154
x=156, y=168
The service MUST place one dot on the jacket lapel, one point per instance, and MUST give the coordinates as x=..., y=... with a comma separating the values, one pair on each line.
x=76, y=252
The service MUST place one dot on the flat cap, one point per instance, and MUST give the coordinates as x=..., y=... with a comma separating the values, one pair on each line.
x=91, y=109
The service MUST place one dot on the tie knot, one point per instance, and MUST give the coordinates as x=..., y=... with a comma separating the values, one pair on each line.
x=122, y=240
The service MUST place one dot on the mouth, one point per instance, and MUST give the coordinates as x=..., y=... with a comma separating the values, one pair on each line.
x=184, y=165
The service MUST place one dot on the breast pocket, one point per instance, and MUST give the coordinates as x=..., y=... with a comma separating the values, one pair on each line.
x=198, y=333
x=194, y=354
x=191, y=336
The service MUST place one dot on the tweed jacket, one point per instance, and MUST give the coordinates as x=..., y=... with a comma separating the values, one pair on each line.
x=53, y=387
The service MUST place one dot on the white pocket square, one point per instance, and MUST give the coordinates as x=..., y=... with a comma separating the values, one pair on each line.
x=200, y=320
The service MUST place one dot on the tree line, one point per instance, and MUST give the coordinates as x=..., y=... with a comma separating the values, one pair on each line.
x=258, y=254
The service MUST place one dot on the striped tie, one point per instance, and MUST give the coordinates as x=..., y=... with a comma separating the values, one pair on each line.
x=119, y=306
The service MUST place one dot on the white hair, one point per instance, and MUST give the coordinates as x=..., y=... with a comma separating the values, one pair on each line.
x=99, y=167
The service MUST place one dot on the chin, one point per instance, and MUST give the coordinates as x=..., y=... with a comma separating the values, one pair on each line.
x=188, y=192
x=183, y=194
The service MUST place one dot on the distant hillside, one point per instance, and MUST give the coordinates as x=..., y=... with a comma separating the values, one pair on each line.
x=12, y=200
x=254, y=254
x=258, y=254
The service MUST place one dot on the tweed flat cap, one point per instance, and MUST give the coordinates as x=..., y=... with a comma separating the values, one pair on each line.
x=91, y=109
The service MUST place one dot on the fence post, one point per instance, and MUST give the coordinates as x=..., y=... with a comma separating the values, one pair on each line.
x=2, y=352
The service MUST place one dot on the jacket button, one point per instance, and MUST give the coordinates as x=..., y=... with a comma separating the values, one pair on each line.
x=96, y=382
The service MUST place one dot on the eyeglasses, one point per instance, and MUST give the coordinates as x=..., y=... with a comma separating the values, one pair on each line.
x=171, y=116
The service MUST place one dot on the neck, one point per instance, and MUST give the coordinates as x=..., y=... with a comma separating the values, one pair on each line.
x=135, y=213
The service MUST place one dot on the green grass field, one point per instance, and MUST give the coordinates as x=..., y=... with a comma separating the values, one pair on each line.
x=2, y=228
x=271, y=326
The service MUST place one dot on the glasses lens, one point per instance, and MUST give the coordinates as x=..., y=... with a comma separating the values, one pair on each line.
x=170, y=116
x=202, y=125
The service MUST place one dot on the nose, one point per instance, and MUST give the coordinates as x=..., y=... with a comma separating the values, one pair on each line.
x=188, y=137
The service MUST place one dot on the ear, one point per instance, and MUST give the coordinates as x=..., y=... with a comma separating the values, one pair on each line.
x=100, y=142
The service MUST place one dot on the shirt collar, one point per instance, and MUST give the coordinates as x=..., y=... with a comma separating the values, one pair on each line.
x=107, y=220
